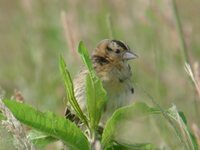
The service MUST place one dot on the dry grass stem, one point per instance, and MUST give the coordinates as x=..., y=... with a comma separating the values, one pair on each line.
x=194, y=75
x=110, y=26
x=67, y=33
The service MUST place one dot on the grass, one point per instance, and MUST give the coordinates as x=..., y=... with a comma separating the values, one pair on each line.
x=32, y=38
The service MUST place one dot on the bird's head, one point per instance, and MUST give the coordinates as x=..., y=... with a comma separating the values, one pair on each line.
x=113, y=51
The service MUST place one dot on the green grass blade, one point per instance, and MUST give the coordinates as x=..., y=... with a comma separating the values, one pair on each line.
x=70, y=90
x=136, y=110
x=110, y=26
x=179, y=121
x=49, y=123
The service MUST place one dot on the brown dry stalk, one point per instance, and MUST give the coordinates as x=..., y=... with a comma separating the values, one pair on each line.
x=68, y=33
x=197, y=77
x=27, y=5
x=194, y=74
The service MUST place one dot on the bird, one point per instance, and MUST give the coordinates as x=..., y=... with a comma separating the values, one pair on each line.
x=110, y=61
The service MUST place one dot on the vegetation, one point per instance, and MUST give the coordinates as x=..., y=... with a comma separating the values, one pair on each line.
x=163, y=34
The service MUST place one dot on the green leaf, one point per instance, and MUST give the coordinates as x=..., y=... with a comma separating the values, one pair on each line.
x=135, y=110
x=40, y=139
x=176, y=119
x=91, y=104
x=96, y=99
x=95, y=93
x=85, y=56
x=49, y=123
x=140, y=146
x=101, y=98
x=70, y=90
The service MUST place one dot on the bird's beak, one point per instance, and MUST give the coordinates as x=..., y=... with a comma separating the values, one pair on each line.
x=129, y=55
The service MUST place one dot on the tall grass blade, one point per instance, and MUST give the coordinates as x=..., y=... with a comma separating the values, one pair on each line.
x=167, y=118
x=110, y=26
x=179, y=27
x=180, y=123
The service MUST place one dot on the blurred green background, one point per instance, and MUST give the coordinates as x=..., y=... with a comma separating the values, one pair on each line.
x=33, y=33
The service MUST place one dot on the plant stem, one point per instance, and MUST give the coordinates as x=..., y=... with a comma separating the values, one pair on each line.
x=183, y=46
x=110, y=26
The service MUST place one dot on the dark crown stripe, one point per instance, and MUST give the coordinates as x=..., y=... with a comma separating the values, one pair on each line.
x=121, y=44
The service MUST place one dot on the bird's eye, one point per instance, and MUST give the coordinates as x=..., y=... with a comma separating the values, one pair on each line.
x=117, y=51
x=109, y=49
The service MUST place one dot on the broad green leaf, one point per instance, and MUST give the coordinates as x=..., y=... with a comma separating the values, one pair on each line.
x=101, y=98
x=176, y=119
x=95, y=93
x=140, y=146
x=70, y=90
x=96, y=99
x=49, y=123
x=179, y=123
x=40, y=139
x=135, y=110
x=85, y=56
x=91, y=104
